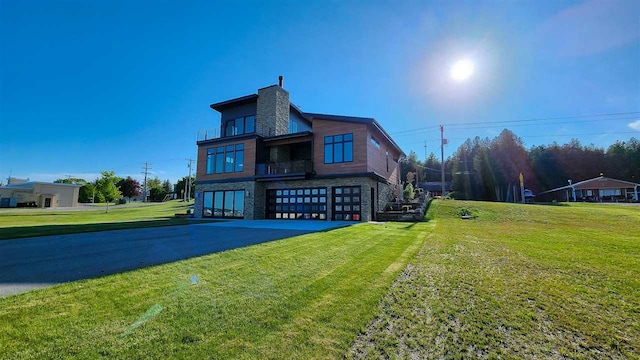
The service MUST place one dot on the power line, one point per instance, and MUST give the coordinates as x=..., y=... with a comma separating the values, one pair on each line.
x=518, y=125
x=535, y=136
x=524, y=120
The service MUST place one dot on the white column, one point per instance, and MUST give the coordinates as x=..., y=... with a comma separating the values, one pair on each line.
x=573, y=193
x=635, y=192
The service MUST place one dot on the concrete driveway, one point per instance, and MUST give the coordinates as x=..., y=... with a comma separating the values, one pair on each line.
x=31, y=263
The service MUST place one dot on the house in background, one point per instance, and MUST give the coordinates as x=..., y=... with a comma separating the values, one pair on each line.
x=25, y=193
x=595, y=190
x=271, y=160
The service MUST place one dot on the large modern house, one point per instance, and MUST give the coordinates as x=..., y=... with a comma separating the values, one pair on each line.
x=270, y=160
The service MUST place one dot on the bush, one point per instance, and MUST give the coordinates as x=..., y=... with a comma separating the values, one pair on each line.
x=465, y=211
x=408, y=193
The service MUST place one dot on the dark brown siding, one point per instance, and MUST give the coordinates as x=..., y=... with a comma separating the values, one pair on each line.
x=322, y=128
x=249, y=162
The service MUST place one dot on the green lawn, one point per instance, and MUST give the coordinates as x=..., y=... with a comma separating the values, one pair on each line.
x=303, y=297
x=21, y=223
x=517, y=282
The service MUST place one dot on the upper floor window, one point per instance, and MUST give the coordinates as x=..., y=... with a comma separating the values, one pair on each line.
x=375, y=142
x=225, y=159
x=239, y=126
x=293, y=126
x=338, y=148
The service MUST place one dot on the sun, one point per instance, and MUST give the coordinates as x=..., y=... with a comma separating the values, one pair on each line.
x=461, y=70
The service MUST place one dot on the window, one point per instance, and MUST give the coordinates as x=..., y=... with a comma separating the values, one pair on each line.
x=228, y=159
x=239, y=126
x=338, y=148
x=293, y=126
x=239, y=158
x=224, y=204
x=375, y=142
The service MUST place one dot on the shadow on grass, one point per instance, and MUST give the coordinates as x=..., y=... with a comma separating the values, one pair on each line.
x=45, y=230
x=551, y=204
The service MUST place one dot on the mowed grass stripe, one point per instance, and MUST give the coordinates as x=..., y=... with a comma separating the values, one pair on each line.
x=517, y=282
x=306, y=296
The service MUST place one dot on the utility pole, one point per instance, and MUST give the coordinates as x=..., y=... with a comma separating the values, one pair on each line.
x=442, y=141
x=146, y=169
x=188, y=184
x=425, y=152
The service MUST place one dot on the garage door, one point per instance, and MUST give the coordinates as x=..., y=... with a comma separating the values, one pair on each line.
x=297, y=204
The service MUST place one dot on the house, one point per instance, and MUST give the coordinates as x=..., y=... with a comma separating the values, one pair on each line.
x=271, y=160
x=21, y=193
x=597, y=189
x=434, y=188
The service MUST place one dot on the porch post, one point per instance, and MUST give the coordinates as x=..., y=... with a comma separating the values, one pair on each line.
x=635, y=192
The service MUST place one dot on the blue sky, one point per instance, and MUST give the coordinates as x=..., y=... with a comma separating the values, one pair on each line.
x=87, y=86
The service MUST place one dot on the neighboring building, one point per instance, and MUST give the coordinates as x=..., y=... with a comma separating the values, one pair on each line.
x=597, y=189
x=38, y=194
x=434, y=188
x=273, y=161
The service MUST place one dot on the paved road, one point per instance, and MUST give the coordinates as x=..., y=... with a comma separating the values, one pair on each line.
x=32, y=263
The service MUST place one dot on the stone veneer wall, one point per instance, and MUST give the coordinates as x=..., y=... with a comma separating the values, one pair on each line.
x=253, y=197
x=255, y=201
x=272, y=110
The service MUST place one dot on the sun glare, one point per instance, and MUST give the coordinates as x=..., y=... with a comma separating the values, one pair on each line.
x=461, y=70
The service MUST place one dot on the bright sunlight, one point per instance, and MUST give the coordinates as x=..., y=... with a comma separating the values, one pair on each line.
x=461, y=70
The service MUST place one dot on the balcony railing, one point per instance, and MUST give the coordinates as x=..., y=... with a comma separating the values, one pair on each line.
x=210, y=134
x=283, y=168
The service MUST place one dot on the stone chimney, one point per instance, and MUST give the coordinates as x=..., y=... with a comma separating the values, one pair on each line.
x=272, y=115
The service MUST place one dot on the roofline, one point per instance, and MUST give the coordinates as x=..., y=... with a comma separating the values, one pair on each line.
x=39, y=182
x=586, y=181
x=358, y=120
x=220, y=106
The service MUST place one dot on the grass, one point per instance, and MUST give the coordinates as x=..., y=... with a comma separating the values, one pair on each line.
x=20, y=224
x=517, y=282
x=302, y=297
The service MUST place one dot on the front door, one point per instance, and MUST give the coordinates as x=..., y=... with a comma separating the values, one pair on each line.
x=373, y=205
x=47, y=202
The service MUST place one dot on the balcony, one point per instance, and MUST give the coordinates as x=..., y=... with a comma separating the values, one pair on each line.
x=298, y=169
x=211, y=134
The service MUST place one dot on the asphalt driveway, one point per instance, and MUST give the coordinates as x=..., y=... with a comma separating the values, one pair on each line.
x=31, y=263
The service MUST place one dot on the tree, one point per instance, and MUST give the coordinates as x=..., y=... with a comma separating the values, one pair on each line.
x=167, y=186
x=106, y=186
x=85, y=195
x=75, y=181
x=130, y=187
x=179, y=188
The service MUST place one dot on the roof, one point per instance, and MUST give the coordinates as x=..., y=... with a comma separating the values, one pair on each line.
x=588, y=184
x=223, y=105
x=358, y=120
x=29, y=185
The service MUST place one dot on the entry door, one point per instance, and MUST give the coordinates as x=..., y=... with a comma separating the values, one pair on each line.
x=47, y=202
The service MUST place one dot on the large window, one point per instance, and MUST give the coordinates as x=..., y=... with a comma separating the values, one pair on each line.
x=227, y=159
x=228, y=203
x=297, y=204
x=239, y=126
x=338, y=148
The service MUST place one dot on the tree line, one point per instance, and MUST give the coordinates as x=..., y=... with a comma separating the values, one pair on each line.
x=489, y=169
x=109, y=188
